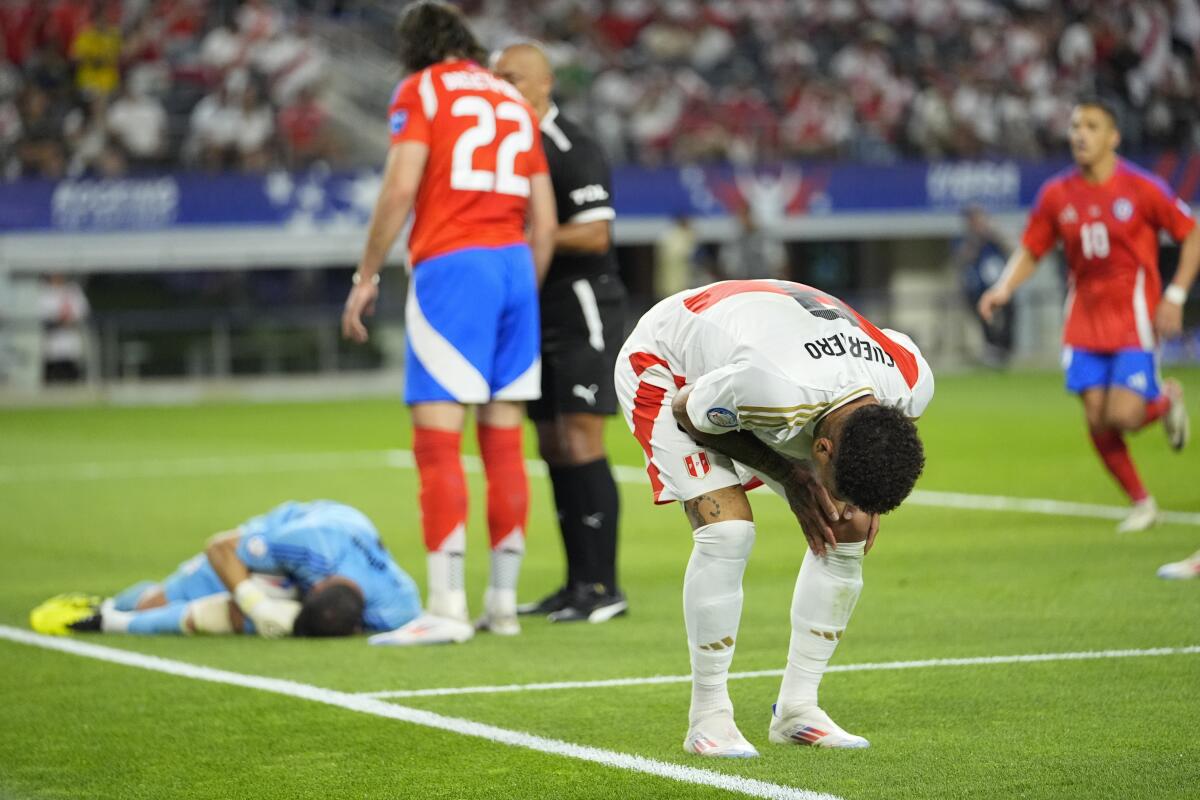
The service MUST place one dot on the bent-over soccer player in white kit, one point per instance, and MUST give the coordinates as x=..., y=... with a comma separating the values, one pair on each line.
x=766, y=381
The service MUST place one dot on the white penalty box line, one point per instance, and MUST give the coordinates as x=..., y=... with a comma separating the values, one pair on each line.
x=361, y=704
x=877, y=666
x=203, y=466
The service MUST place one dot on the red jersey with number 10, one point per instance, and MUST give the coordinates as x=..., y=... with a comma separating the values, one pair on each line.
x=483, y=149
x=1109, y=232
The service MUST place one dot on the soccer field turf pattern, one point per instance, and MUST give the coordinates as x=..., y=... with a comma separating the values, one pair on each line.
x=96, y=498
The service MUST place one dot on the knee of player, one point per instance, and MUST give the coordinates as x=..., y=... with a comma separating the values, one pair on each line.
x=854, y=529
x=732, y=539
x=1124, y=419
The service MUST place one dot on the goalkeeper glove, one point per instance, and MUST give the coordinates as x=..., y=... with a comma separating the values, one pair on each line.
x=272, y=618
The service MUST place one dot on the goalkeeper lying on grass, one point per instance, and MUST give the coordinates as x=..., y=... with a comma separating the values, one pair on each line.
x=301, y=569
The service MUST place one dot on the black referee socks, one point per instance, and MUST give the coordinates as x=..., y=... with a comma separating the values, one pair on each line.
x=588, y=505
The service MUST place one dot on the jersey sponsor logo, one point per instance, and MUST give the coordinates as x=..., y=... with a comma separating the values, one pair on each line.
x=697, y=464
x=1122, y=209
x=722, y=417
x=397, y=121
x=256, y=546
x=592, y=193
x=1068, y=216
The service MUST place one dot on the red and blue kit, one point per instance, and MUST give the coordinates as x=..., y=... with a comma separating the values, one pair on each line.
x=1110, y=235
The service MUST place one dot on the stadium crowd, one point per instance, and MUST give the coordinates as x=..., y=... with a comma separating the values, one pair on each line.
x=101, y=86
x=869, y=80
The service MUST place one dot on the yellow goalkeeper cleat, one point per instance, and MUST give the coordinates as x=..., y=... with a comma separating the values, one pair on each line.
x=56, y=616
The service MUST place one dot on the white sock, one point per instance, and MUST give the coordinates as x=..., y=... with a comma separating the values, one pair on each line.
x=116, y=621
x=446, y=570
x=826, y=590
x=712, y=609
x=506, y=562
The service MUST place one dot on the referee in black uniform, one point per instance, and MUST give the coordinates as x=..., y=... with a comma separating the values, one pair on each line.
x=583, y=324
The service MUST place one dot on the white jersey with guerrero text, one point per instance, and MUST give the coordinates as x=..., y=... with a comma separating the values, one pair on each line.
x=773, y=357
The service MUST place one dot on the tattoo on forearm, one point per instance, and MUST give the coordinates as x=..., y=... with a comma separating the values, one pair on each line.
x=702, y=510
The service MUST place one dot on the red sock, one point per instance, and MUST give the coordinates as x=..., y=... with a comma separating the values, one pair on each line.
x=1155, y=409
x=443, y=487
x=508, y=488
x=1115, y=455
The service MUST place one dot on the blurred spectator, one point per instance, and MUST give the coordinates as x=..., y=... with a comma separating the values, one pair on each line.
x=255, y=125
x=137, y=122
x=64, y=311
x=979, y=258
x=96, y=53
x=39, y=151
x=674, y=254
x=304, y=131
x=754, y=252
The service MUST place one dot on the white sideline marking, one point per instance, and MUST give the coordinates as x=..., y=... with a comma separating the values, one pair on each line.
x=403, y=459
x=378, y=708
x=775, y=673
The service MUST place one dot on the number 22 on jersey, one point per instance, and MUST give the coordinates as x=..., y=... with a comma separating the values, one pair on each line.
x=504, y=180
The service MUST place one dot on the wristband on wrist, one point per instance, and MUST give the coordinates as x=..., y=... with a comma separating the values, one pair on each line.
x=357, y=278
x=248, y=594
x=1175, y=294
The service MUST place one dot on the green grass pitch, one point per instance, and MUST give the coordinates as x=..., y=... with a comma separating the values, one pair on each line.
x=141, y=488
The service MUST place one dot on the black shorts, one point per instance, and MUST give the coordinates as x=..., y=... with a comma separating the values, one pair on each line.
x=583, y=326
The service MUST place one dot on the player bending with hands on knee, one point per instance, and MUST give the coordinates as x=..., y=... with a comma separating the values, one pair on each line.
x=301, y=569
x=743, y=382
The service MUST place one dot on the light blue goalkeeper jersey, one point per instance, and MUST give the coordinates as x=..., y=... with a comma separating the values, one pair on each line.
x=308, y=542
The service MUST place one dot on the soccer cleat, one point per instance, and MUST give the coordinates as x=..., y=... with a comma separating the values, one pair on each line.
x=1176, y=422
x=1181, y=570
x=592, y=603
x=555, y=601
x=499, y=613
x=1142, y=517
x=717, y=736
x=59, y=615
x=812, y=728
x=426, y=629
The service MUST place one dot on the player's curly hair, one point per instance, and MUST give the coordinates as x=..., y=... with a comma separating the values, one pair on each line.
x=878, y=459
x=430, y=31
x=334, y=610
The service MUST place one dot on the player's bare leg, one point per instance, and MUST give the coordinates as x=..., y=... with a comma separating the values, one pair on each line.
x=827, y=589
x=1110, y=412
x=723, y=532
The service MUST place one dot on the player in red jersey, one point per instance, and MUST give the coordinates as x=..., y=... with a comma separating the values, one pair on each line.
x=1108, y=215
x=467, y=160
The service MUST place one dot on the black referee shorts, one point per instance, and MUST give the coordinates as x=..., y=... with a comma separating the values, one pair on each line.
x=583, y=326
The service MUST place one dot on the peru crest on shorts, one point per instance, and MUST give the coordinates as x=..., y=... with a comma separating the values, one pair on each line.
x=697, y=464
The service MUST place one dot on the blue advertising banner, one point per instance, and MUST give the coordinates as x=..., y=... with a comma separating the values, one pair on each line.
x=330, y=201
